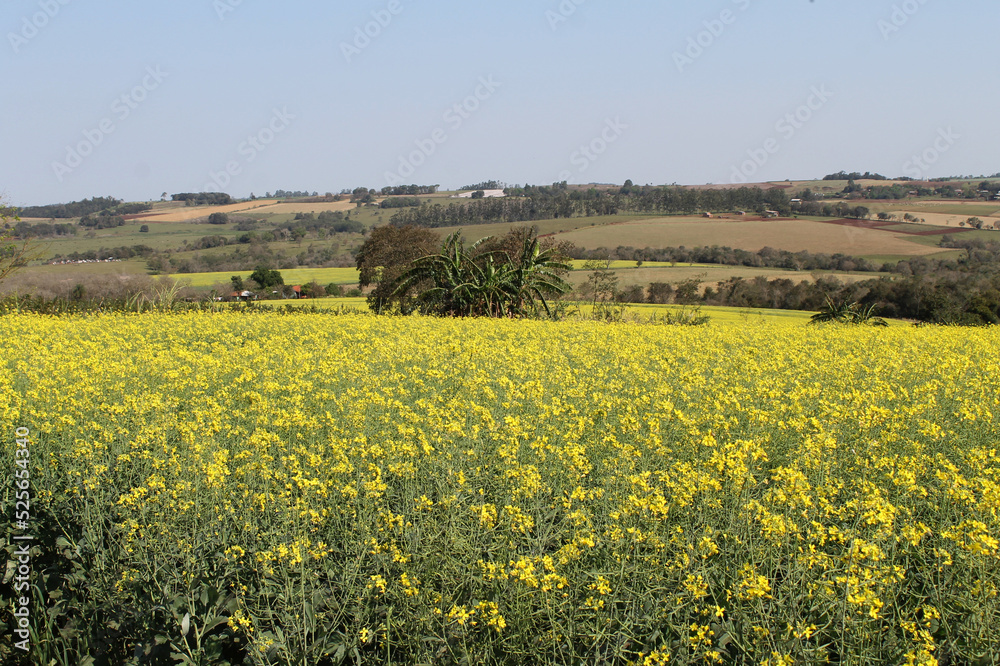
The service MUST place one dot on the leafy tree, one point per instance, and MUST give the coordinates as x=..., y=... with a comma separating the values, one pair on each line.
x=144, y=229
x=267, y=278
x=218, y=218
x=687, y=291
x=13, y=254
x=313, y=290
x=237, y=283
x=602, y=287
x=385, y=256
x=660, y=292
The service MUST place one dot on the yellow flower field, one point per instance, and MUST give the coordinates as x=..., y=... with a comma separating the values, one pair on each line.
x=321, y=489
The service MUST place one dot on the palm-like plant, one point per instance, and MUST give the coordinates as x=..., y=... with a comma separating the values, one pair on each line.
x=537, y=272
x=465, y=282
x=847, y=313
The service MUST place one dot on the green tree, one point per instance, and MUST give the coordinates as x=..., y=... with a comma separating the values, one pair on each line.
x=267, y=278
x=602, y=287
x=384, y=257
x=237, y=283
x=660, y=292
x=218, y=218
x=688, y=291
x=144, y=229
x=14, y=253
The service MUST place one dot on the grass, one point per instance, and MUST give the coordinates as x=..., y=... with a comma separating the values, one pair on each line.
x=708, y=274
x=164, y=236
x=324, y=276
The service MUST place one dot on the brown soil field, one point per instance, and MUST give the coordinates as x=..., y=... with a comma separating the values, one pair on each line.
x=193, y=213
x=314, y=208
x=946, y=220
x=791, y=235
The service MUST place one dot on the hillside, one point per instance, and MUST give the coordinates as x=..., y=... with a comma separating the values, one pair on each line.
x=318, y=236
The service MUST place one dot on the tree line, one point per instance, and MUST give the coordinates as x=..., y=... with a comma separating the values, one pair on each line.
x=411, y=190
x=726, y=256
x=854, y=175
x=94, y=206
x=43, y=230
x=533, y=203
x=963, y=291
x=400, y=202
x=203, y=198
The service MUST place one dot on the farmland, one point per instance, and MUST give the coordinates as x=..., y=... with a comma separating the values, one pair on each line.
x=273, y=489
x=318, y=240
x=793, y=235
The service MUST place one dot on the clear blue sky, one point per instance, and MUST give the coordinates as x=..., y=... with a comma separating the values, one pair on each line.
x=620, y=78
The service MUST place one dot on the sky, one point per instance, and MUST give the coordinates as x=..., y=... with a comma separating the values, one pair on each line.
x=133, y=99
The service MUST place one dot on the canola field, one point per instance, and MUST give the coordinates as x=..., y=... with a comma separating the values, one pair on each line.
x=319, y=489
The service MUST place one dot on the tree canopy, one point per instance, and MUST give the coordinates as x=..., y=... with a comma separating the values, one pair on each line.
x=385, y=256
x=13, y=254
x=267, y=278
